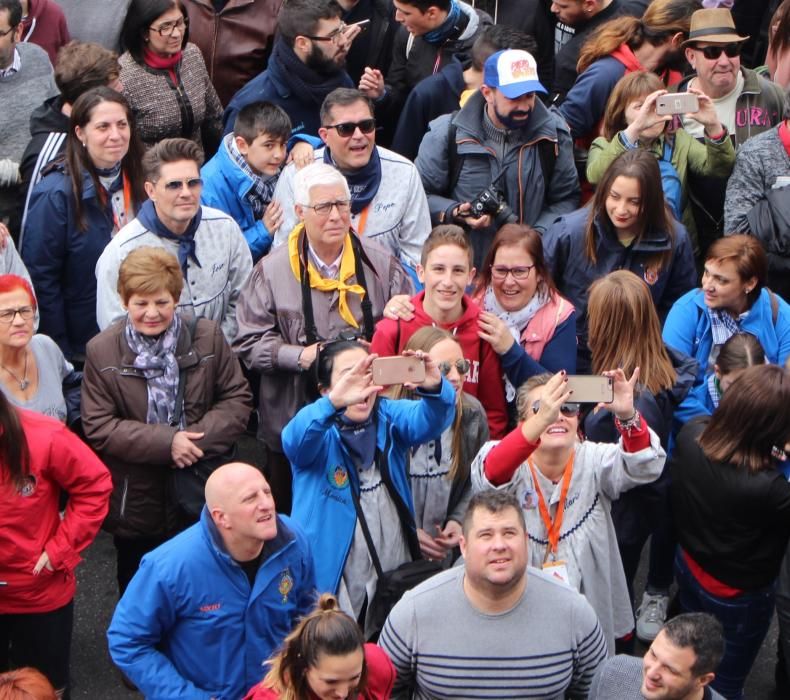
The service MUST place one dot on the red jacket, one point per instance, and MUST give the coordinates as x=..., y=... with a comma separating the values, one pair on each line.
x=30, y=522
x=46, y=26
x=484, y=380
x=381, y=678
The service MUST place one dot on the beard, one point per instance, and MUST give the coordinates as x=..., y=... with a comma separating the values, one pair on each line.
x=515, y=120
x=319, y=63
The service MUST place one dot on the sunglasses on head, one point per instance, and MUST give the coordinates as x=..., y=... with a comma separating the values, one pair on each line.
x=567, y=409
x=461, y=365
x=346, y=129
x=712, y=53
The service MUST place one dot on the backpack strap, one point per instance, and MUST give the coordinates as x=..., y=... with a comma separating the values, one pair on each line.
x=547, y=152
x=454, y=161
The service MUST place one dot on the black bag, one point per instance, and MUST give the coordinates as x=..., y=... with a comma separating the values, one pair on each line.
x=391, y=585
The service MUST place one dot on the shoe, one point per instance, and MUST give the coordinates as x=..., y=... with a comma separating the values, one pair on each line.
x=650, y=616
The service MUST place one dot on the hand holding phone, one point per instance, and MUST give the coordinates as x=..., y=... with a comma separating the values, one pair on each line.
x=677, y=103
x=398, y=370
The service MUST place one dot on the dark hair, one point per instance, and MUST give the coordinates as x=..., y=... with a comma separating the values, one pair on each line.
x=494, y=501
x=703, y=634
x=82, y=65
x=25, y=683
x=779, y=30
x=14, y=452
x=653, y=212
x=343, y=97
x=747, y=254
x=526, y=238
x=497, y=37
x=327, y=630
x=629, y=88
x=446, y=234
x=259, y=118
x=740, y=351
x=325, y=359
x=169, y=151
x=424, y=5
x=77, y=157
x=14, y=8
x=301, y=17
x=752, y=419
x=139, y=17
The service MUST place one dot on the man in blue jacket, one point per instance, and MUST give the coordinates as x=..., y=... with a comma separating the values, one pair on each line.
x=207, y=609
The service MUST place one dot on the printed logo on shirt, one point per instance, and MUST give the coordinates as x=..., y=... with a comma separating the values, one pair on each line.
x=286, y=585
x=27, y=487
x=529, y=499
x=337, y=476
x=211, y=607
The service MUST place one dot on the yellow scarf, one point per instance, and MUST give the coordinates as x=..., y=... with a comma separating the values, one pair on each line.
x=347, y=270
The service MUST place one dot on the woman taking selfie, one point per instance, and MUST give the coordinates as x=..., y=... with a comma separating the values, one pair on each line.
x=348, y=451
x=74, y=212
x=732, y=512
x=621, y=229
x=40, y=460
x=326, y=658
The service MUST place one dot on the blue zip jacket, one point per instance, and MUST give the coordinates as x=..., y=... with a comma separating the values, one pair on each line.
x=687, y=329
x=573, y=272
x=61, y=259
x=190, y=626
x=323, y=471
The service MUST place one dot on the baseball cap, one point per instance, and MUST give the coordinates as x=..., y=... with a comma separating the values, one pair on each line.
x=513, y=72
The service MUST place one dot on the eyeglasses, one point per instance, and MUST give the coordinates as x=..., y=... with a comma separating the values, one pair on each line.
x=712, y=53
x=178, y=185
x=346, y=129
x=343, y=205
x=500, y=272
x=567, y=409
x=334, y=36
x=461, y=365
x=167, y=28
x=7, y=316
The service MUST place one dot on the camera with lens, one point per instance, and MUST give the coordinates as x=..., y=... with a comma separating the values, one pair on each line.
x=490, y=201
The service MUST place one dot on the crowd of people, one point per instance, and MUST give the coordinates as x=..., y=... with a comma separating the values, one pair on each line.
x=499, y=288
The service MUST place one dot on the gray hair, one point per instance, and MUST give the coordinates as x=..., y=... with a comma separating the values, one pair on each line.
x=314, y=175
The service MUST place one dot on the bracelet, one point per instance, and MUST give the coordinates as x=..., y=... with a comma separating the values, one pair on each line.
x=632, y=423
x=718, y=137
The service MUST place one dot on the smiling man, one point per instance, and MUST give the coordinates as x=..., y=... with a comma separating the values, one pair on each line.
x=213, y=253
x=493, y=625
x=206, y=610
x=388, y=203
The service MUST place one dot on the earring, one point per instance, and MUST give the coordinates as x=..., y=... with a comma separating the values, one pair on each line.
x=84, y=144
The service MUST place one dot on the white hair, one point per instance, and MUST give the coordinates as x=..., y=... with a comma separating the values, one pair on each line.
x=314, y=175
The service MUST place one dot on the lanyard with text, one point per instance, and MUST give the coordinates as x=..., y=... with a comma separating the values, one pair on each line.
x=553, y=527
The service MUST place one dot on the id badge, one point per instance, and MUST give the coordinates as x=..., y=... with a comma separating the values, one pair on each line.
x=558, y=570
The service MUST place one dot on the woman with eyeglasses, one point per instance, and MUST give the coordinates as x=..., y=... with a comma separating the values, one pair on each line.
x=75, y=210
x=626, y=226
x=165, y=78
x=348, y=451
x=439, y=469
x=566, y=487
x=525, y=319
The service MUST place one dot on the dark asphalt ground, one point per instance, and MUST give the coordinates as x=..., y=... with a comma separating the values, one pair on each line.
x=95, y=678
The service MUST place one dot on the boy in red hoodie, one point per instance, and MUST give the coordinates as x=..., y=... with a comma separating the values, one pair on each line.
x=446, y=270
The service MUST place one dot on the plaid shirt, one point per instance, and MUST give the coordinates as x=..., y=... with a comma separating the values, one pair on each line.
x=262, y=189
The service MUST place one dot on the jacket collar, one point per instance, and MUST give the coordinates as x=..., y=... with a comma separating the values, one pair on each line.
x=652, y=242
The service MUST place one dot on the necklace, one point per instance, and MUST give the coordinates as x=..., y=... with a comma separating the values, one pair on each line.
x=24, y=383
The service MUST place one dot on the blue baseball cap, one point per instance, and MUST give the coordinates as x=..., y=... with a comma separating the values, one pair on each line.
x=513, y=72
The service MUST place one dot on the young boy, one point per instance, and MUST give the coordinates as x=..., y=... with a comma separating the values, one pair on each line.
x=241, y=177
x=446, y=270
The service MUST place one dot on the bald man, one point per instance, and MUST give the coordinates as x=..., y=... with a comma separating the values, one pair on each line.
x=206, y=609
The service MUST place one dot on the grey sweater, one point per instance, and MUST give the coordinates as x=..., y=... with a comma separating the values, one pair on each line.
x=99, y=21
x=548, y=646
x=20, y=94
x=760, y=161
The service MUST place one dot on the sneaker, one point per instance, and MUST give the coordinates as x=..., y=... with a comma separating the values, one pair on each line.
x=650, y=616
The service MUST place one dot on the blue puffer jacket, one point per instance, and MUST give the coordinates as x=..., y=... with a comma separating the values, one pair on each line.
x=573, y=273
x=190, y=626
x=61, y=259
x=687, y=329
x=323, y=472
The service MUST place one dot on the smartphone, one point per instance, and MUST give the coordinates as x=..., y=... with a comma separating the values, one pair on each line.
x=677, y=103
x=362, y=23
x=398, y=370
x=590, y=389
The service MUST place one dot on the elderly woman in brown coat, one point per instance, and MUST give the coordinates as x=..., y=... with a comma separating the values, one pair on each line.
x=130, y=409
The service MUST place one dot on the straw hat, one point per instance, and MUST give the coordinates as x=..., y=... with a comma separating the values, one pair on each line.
x=714, y=26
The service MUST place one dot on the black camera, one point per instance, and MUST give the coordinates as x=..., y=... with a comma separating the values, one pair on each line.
x=490, y=201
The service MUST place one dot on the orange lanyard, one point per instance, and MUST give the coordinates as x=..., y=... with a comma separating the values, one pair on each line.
x=553, y=527
x=127, y=199
x=363, y=219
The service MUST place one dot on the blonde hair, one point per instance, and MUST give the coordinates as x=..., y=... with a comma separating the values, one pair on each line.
x=147, y=270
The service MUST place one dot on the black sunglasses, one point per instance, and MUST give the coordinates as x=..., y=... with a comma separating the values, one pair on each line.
x=346, y=129
x=567, y=409
x=712, y=53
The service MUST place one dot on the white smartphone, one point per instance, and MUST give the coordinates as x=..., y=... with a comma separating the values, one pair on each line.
x=590, y=388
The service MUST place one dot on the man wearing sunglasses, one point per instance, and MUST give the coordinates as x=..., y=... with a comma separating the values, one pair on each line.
x=746, y=103
x=214, y=255
x=388, y=203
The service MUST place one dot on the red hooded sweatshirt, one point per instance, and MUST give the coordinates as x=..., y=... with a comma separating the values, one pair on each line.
x=45, y=25
x=484, y=380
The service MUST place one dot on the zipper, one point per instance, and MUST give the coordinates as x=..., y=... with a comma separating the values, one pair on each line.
x=124, y=493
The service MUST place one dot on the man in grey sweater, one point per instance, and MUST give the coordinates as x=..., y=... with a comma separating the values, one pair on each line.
x=493, y=628
x=679, y=665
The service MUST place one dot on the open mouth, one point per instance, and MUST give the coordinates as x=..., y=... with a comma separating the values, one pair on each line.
x=557, y=430
x=265, y=518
